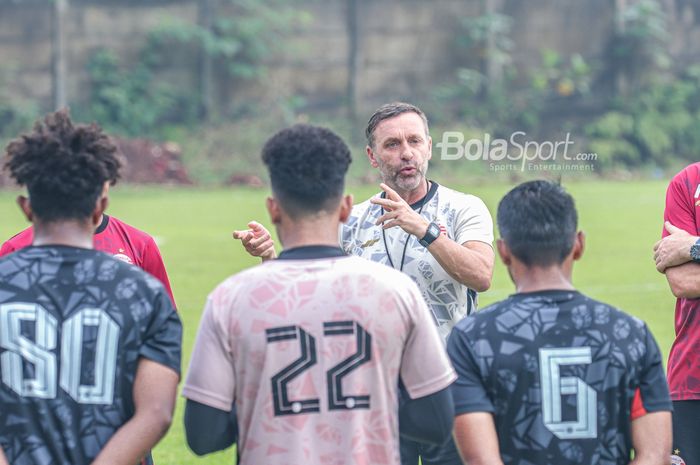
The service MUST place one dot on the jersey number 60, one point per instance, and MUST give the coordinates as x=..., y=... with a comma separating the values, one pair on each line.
x=40, y=353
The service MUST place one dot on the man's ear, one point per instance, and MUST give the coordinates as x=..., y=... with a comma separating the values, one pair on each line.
x=273, y=209
x=579, y=245
x=430, y=147
x=504, y=252
x=372, y=157
x=100, y=207
x=26, y=207
x=345, y=207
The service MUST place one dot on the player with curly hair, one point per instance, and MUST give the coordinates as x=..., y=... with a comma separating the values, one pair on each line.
x=111, y=235
x=89, y=345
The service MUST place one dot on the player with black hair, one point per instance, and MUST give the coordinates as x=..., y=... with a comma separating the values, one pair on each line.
x=58, y=192
x=310, y=348
x=89, y=346
x=550, y=375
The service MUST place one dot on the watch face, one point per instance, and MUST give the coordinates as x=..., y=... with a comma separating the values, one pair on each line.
x=695, y=251
x=434, y=230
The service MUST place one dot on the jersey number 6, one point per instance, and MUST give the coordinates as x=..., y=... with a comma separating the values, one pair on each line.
x=337, y=400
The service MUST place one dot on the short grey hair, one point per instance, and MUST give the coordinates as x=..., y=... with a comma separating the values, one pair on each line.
x=391, y=110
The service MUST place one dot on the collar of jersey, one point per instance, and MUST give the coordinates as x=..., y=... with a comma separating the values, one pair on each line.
x=311, y=252
x=426, y=198
x=103, y=224
x=554, y=294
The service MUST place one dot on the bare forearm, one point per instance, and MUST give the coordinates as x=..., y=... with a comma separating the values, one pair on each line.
x=133, y=440
x=651, y=439
x=684, y=280
x=473, y=268
x=476, y=439
x=3, y=459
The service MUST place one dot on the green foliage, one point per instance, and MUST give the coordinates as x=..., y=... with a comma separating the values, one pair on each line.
x=641, y=43
x=557, y=77
x=477, y=32
x=134, y=102
x=142, y=101
x=16, y=116
x=242, y=35
x=656, y=124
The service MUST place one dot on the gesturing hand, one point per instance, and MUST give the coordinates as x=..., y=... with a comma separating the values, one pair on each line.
x=674, y=249
x=257, y=241
x=399, y=213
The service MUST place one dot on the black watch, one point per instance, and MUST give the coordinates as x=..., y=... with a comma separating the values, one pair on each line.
x=431, y=234
x=695, y=251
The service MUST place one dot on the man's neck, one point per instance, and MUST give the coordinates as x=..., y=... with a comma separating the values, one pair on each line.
x=536, y=279
x=309, y=232
x=416, y=194
x=68, y=233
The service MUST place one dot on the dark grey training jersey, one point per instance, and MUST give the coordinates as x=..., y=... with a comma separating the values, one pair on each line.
x=559, y=371
x=73, y=325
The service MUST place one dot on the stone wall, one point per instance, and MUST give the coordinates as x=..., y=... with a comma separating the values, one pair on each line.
x=404, y=47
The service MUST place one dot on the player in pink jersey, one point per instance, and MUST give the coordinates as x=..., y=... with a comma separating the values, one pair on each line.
x=311, y=348
x=116, y=238
x=678, y=256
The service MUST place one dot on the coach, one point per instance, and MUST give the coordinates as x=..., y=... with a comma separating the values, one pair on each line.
x=440, y=237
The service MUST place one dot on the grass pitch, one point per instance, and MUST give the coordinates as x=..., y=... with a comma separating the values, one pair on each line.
x=193, y=227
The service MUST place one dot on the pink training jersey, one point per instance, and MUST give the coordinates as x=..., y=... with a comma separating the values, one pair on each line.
x=683, y=211
x=311, y=352
x=116, y=238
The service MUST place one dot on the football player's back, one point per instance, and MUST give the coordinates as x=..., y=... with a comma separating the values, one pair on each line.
x=317, y=348
x=89, y=346
x=73, y=325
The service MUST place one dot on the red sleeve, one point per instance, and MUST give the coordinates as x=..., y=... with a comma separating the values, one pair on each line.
x=680, y=207
x=638, y=409
x=18, y=241
x=6, y=249
x=153, y=264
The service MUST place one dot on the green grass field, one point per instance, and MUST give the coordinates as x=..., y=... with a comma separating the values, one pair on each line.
x=622, y=221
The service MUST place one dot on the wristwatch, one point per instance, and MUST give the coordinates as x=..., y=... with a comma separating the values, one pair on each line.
x=431, y=234
x=695, y=251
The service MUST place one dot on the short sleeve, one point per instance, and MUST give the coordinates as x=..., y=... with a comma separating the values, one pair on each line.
x=163, y=340
x=653, y=387
x=6, y=249
x=425, y=368
x=473, y=222
x=680, y=209
x=152, y=263
x=469, y=392
x=210, y=379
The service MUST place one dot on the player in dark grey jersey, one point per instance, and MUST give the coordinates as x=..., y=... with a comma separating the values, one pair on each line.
x=550, y=376
x=89, y=345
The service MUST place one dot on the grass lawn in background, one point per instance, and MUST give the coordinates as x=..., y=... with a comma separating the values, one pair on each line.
x=622, y=220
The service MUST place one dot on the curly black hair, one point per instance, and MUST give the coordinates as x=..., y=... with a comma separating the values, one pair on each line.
x=63, y=165
x=307, y=166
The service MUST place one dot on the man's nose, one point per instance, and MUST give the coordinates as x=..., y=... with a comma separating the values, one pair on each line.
x=406, y=153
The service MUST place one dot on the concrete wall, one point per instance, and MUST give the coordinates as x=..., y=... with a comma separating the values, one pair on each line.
x=405, y=47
